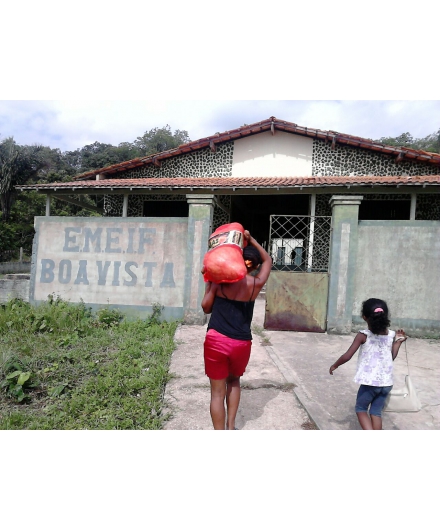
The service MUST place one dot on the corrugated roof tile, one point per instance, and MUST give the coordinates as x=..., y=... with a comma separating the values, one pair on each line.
x=238, y=182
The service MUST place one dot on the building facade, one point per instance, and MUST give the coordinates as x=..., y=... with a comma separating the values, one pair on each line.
x=343, y=217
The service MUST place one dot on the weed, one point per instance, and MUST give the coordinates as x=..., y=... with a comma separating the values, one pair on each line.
x=109, y=317
x=258, y=330
x=81, y=371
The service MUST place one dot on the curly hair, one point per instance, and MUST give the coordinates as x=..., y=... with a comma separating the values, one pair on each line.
x=378, y=321
x=252, y=254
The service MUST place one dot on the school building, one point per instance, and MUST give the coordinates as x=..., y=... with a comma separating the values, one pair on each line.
x=344, y=218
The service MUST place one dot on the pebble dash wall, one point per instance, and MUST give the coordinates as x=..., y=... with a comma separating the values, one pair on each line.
x=343, y=161
x=350, y=161
x=203, y=163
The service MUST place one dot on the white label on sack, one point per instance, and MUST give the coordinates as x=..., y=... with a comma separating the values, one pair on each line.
x=233, y=237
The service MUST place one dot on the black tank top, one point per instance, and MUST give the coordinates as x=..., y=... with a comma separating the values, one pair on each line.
x=232, y=317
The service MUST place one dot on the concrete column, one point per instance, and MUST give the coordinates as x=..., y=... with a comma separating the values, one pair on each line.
x=412, y=213
x=125, y=205
x=312, y=231
x=201, y=211
x=48, y=205
x=343, y=250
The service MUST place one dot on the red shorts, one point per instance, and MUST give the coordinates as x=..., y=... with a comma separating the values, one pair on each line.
x=225, y=356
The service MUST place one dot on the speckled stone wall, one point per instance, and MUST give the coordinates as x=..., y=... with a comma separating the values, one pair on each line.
x=199, y=163
x=343, y=160
x=351, y=161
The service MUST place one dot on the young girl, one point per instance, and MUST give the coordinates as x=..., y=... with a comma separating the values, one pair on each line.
x=379, y=347
x=228, y=341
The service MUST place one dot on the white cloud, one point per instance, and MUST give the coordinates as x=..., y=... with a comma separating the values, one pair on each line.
x=72, y=124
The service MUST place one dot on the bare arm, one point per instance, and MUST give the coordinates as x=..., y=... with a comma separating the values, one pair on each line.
x=358, y=341
x=398, y=339
x=208, y=299
x=266, y=265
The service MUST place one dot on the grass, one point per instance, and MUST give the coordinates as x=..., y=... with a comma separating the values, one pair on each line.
x=61, y=367
x=258, y=330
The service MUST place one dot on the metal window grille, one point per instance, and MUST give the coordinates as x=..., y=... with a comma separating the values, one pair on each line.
x=300, y=243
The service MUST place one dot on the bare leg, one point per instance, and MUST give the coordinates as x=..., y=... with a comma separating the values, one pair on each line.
x=217, y=407
x=233, y=392
x=376, y=422
x=365, y=421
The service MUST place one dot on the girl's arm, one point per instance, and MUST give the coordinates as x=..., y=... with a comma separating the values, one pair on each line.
x=208, y=299
x=398, y=339
x=266, y=265
x=358, y=341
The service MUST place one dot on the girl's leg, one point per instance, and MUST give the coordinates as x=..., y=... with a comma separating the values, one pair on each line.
x=365, y=421
x=217, y=407
x=376, y=422
x=377, y=407
x=233, y=392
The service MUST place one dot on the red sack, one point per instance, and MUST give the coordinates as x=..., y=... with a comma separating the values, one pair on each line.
x=223, y=263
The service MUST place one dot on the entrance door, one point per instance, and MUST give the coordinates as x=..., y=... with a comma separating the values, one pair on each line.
x=297, y=288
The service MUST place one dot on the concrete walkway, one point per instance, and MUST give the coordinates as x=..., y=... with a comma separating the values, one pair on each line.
x=287, y=385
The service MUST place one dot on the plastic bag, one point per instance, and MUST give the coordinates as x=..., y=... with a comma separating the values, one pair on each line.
x=223, y=263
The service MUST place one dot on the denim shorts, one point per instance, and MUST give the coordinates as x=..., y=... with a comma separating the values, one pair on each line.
x=373, y=396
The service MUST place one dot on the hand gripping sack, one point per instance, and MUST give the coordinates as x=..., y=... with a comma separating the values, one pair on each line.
x=223, y=263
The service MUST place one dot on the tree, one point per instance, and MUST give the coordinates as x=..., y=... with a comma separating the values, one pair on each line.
x=404, y=140
x=57, y=168
x=98, y=155
x=18, y=165
x=430, y=143
x=157, y=140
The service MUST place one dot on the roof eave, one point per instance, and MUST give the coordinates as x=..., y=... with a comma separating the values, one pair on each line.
x=255, y=128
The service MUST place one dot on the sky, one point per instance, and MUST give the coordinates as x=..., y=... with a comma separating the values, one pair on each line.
x=72, y=124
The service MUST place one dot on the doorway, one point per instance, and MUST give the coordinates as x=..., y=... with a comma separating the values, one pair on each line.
x=297, y=288
x=254, y=211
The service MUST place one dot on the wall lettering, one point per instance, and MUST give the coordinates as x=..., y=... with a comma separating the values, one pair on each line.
x=102, y=260
x=78, y=239
x=70, y=239
x=168, y=276
x=47, y=268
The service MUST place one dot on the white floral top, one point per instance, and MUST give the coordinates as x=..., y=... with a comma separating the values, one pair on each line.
x=375, y=360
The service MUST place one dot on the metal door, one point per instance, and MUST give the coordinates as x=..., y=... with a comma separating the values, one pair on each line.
x=297, y=288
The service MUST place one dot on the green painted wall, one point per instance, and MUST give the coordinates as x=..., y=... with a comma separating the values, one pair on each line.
x=398, y=261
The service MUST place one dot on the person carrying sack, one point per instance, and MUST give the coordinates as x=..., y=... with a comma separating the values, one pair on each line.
x=228, y=340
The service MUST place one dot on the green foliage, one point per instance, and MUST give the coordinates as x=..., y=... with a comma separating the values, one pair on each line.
x=14, y=384
x=109, y=317
x=79, y=370
x=157, y=140
x=18, y=231
x=98, y=155
x=155, y=317
x=38, y=164
x=403, y=140
x=18, y=165
x=430, y=143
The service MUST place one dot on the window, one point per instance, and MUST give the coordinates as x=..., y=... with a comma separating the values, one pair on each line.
x=165, y=209
x=386, y=210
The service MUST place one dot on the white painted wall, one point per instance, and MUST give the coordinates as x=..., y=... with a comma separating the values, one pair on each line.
x=266, y=155
x=120, y=261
